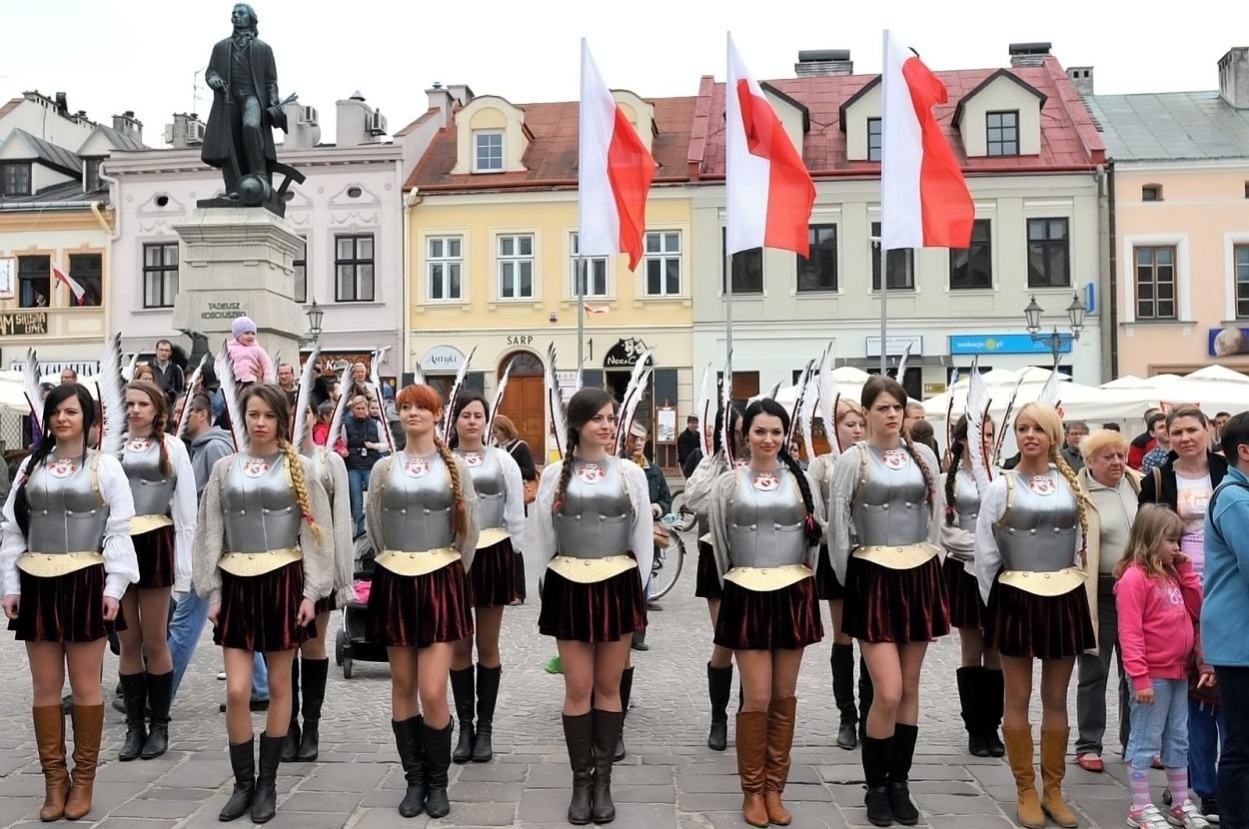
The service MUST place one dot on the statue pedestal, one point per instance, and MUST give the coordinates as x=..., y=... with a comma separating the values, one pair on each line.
x=237, y=262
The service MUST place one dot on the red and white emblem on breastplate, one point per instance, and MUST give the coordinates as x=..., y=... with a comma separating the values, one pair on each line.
x=590, y=473
x=1042, y=484
x=138, y=444
x=766, y=481
x=894, y=458
x=472, y=459
x=62, y=468
x=415, y=467
x=255, y=467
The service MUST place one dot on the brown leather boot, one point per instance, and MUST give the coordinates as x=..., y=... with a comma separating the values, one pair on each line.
x=50, y=738
x=88, y=726
x=1019, y=752
x=1053, y=769
x=776, y=767
x=752, y=750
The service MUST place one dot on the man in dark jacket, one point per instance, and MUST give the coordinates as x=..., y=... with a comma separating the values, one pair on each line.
x=169, y=374
x=687, y=443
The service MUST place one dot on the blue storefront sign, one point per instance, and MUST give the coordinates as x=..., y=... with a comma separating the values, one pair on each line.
x=1002, y=344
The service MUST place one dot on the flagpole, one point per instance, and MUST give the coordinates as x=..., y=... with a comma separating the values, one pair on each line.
x=728, y=307
x=580, y=280
x=884, y=296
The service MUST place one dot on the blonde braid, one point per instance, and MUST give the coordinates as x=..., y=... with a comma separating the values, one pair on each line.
x=459, y=520
x=1077, y=492
x=296, y=470
x=929, y=485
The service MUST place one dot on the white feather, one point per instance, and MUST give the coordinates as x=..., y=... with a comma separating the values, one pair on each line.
x=375, y=380
x=633, y=396
x=190, y=392
x=33, y=389
x=1049, y=392
x=705, y=402
x=827, y=385
x=498, y=401
x=229, y=390
x=555, y=403
x=112, y=395
x=978, y=423
x=806, y=414
x=336, y=422
x=727, y=446
x=449, y=411
x=906, y=355
x=128, y=373
x=301, y=433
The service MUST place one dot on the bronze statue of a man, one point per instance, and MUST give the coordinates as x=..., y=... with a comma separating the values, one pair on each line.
x=238, y=139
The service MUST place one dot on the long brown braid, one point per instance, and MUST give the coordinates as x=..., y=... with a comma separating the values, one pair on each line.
x=930, y=485
x=582, y=407
x=959, y=437
x=161, y=404
x=459, y=518
x=565, y=470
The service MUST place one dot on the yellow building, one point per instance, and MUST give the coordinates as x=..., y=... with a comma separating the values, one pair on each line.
x=491, y=254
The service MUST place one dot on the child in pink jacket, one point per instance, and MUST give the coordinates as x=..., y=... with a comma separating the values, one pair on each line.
x=251, y=362
x=1158, y=597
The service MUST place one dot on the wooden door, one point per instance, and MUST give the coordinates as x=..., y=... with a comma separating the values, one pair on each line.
x=525, y=403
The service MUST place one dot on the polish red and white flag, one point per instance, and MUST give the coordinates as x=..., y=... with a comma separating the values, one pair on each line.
x=769, y=193
x=614, y=172
x=924, y=200
x=75, y=287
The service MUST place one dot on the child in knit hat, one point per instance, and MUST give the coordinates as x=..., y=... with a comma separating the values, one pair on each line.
x=251, y=362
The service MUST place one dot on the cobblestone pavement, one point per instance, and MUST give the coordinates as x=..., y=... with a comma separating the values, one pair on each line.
x=670, y=778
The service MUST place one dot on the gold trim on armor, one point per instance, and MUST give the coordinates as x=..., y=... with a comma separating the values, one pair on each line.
x=257, y=564
x=50, y=565
x=1044, y=584
x=764, y=579
x=591, y=570
x=905, y=557
x=141, y=524
x=417, y=564
x=491, y=536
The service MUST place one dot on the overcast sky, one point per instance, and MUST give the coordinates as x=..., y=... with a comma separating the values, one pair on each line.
x=114, y=55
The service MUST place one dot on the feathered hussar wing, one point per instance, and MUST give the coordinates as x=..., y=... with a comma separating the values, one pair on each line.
x=633, y=397
x=301, y=431
x=1001, y=433
x=949, y=406
x=375, y=380
x=33, y=388
x=806, y=411
x=128, y=373
x=336, y=422
x=229, y=390
x=795, y=410
x=826, y=384
x=498, y=401
x=110, y=388
x=727, y=443
x=555, y=403
x=191, y=385
x=978, y=423
x=1049, y=392
x=703, y=409
x=906, y=355
x=455, y=393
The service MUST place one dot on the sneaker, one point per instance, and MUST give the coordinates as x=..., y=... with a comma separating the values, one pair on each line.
x=1188, y=816
x=555, y=666
x=1147, y=817
x=221, y=676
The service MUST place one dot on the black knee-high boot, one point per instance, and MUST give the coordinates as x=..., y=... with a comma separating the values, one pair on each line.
x=904, y=810
x=159, y=695
x=626, y=690
x=992, y=700
x=265, y=802
x=876, y=757
x=719, y=686
x=134, y=695
x=579, y=737
x=437, y=746
x=412, y=758
x=971, y=707
x=608, y=726
x=462, y=691
x=842, y=661
x=290, y=743
x=243, y=763
x=316, y=671
x=487, y=696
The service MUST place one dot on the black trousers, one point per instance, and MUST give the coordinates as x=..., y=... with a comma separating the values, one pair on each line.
x=1234, y=761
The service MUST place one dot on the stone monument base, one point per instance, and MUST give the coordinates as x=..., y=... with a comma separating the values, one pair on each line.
x=238, y=262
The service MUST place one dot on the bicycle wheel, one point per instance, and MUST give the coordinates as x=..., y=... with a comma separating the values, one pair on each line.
x=667, y=569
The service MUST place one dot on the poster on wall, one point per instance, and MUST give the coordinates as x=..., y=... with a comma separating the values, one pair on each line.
x=8, y=277
x=667, y=424
x=1228, y=341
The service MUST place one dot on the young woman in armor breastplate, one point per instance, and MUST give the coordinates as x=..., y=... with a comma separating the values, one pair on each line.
x=163, y=530
x=1030, y=563
x=850, y=427
x=501, y=519
x=878, y=529
x=980, y=673
x=263, y=557
x=766, y=535
x=420, y=516
x=66, y=559
x=593, y=528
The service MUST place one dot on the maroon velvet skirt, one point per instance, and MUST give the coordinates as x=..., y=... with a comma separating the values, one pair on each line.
x=707, y=578
x=963, y=590
x=899, y=606
x=493, y=575
x=602, y=611
x=787, y=618
x=326, y=605
x=68, y=608
x=417, y=611
x=155, y=551
x=259, y=613
x=1022, y=624
x=826, y=585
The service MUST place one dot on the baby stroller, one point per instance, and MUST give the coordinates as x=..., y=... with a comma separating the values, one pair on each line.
x=352, y=642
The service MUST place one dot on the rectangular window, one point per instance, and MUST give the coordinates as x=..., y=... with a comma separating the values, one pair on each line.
x=300, y=264
x=445, y=264
x=1002, y=132
x=516, y=266
x=972, y=268
x=160, y=274
x=663, y=263
x=1155, y=283
x=91, y=174
x=747, y=268
x=594, y=276
x=487, y=151
x=901, y=265
x=1151, y=192
x=1240, y=258
x=818, y=271
x=1049, y=264
x=15, y=178
x=874, y=140
x=353, y=266
x=34, y=289
x=87, y=269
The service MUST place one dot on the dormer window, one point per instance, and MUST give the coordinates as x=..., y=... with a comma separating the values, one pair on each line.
x=1002, y=133
x=488, y=151
x=15, y=178
x=874, y=141
x=91, y=174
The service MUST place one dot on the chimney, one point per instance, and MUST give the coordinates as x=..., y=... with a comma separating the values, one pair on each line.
x=1234, y=77
x=460, y=93
x=823, y=63
x=62, y=104
x=1082, y=78
x=356, y=123
x=303, y=127
x=128, y=125
x=187, y=130
x=1029, y=54
x=441, y=100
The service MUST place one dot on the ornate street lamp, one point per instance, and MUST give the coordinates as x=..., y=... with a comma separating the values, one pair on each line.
x=314, y=315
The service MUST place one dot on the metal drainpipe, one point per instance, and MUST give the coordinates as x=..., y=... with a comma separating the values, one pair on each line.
x=1114, y=273
x=410, y=200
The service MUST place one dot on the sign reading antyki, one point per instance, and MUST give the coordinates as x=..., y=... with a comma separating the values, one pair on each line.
x=223, y=311
x=23, y=323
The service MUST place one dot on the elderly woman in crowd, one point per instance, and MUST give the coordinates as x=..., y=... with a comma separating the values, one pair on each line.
x=1113, y=489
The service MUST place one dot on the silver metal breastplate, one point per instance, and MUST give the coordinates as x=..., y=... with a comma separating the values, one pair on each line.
x=487, y=475
x=152, y=490
x=1038, y=531
x=66, y=515
x=765, y=520
x=966, y=501
x=260, y=506
x=596, y=517
x=889, y=507
x=417, y=504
